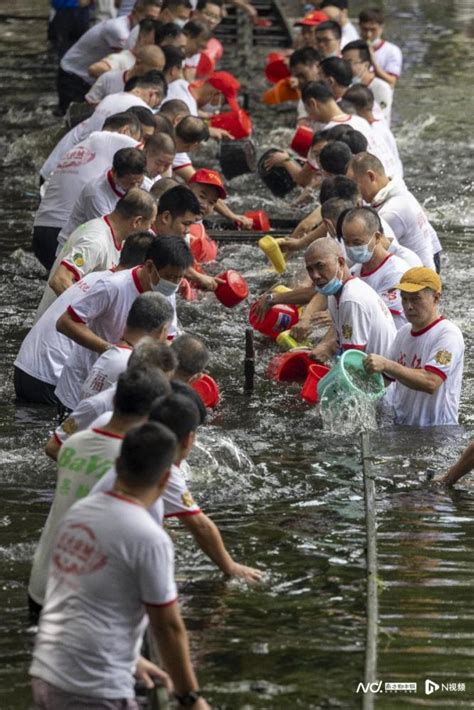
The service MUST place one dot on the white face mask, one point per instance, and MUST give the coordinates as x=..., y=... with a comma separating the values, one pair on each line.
x=166, y=288
x=180, y=22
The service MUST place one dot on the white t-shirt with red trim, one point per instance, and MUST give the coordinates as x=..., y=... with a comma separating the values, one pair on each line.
x=82, y=461
x=106, y=370
x=112, y=82
x=110, y=558
x=96, y=43
x=438, y=348
x=349, y=34
x=82, y=164
x=361, y=319
x=403, y=212
x=179, y=89
x=91, y=247
x=86, y=414
x=391, y=162
x=121, y=61
x=383, y=280
x=175, y=502
x=104, y=310
x=44, y=350
x=114, y=103
x=96, y=199
x=404, y=253
x=360, y=124
x=389, y=57
x=181, y=160
x=383, y=95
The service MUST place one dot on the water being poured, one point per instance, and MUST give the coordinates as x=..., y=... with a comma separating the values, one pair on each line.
x=345, y=413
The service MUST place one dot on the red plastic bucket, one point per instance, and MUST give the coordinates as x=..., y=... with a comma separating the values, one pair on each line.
x=261, y=223
x=310, y=388
x=203, y=248
x=205, y=66
x=278, y=318
x=234, y=290
x=290, y=367
x=301, y=141
x=276, y=68
x=186, y=291
x=238, y=123
x=207, y=389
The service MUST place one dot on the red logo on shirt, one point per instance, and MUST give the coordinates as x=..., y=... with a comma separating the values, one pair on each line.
x=77, y=551
x=76, y=157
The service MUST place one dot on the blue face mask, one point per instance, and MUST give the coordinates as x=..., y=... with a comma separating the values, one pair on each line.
x=361, y=254
x=332, y=286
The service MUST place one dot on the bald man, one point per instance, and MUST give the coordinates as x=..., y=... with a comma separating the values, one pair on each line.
x=147, y=58
x=360, y=319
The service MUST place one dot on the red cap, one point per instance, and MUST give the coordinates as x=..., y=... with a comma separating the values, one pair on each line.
x=228, y=85
x=312, y=19
x=210, y=177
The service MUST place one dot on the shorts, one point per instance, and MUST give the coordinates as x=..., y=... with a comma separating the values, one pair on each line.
x=30, y=389
x=48, y=697
x=45, y=244
x=70, y=88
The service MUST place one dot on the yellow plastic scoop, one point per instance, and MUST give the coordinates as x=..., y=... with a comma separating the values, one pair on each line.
x=286, y=342
x=271, y=249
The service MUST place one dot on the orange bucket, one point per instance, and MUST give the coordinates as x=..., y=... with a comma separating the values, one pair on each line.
x=238, y=123
x=301, y=141
x=289, y=367
x=281, y=92
x=261, y=223
x=310, y=388
x=207, y=389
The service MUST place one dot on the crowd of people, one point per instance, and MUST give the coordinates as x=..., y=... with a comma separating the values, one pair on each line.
x=121, y=231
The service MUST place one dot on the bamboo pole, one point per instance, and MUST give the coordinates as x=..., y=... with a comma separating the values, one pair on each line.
x=370, y=670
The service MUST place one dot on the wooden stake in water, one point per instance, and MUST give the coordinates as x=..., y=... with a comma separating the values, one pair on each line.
x=370, y=672
x=249, y=362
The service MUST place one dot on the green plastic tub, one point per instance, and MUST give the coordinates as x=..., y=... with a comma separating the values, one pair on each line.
x=348, y=376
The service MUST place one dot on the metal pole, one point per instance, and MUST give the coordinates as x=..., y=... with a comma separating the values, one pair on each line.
x=249, y=362
x=370, y=671
x=158, y=698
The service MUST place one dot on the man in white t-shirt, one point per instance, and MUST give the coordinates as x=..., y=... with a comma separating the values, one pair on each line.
x=147, y=92
x=148, y=58
x=321, y=106
x=111, y=35
x=358, y=55
x=362, y=98
x=399, y=207
x=362, y=234
x=149, y=317
x=44, y=351
x=426, y=357
x=96, y=245
x=181, y=414
x=113, y=565
x=93, y=410
x=125, y=59
x=160, y=151
x=78, y=167
x=100, y=196
x=386, y=57
x=98, y=319
x=361, y=320
x=304, y=67
x=85, y=457
x=337, y=10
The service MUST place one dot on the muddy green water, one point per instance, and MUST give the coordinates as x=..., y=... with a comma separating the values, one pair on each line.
x=287, y=496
